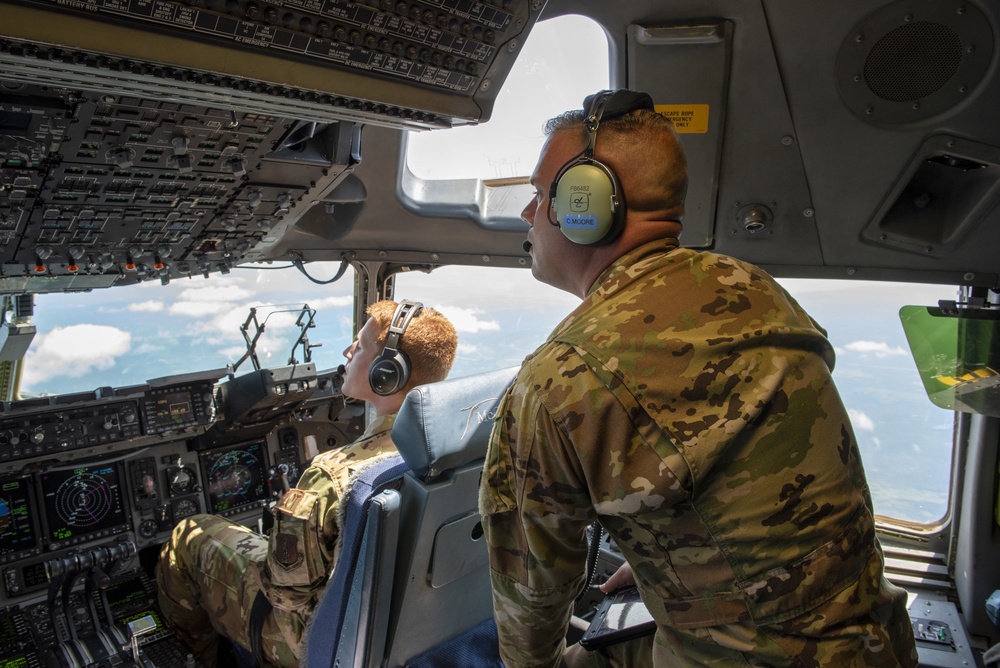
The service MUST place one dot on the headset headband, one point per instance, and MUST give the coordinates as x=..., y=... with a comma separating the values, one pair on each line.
x=615, y=103
x=406, y=310
x=592, y=121
x=607, y=105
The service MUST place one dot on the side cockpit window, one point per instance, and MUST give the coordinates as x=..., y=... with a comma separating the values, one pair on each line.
x=563, y=60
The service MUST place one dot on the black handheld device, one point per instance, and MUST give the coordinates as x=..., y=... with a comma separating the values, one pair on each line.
x=621, y=616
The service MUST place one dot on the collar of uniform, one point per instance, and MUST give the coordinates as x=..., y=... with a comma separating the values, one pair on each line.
x=379, y=425
x=633, y=257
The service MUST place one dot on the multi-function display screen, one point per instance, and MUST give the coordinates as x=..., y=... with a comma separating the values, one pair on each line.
x=82, y=503
x=17, y=518
x=236, y=477
x=170, y=409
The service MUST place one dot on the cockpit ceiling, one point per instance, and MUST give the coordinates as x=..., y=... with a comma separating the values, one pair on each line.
x=856, y=141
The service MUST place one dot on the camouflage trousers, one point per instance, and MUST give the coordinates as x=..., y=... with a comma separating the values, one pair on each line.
x=882, y=638
x=644, y=653
x=207, y=587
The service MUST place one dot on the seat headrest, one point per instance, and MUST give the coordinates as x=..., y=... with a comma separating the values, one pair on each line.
x=442, y=426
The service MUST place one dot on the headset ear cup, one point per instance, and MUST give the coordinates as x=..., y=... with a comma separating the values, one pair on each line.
x=586, y=202
x=382, y=376
x=389, y=373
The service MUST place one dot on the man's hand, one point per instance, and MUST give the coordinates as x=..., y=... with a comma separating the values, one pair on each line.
x=623, y=577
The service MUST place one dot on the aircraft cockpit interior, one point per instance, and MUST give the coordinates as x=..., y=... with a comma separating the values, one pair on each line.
x=94, y=482
x=162, y=161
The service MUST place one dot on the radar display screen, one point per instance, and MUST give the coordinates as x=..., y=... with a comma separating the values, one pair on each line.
x=171, y=409
x=17, y=521
x=83, y=503
x=236, y=477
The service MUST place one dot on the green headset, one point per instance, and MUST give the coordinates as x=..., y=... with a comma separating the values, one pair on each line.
x=390, y=371
x=586, y=201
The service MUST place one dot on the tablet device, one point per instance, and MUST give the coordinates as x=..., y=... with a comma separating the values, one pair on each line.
x=621, y=616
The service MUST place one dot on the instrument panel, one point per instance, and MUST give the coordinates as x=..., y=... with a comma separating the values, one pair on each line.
x=428, y=64
x=98, y=480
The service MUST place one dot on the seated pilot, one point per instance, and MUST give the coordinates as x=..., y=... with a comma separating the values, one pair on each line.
x=216, y=577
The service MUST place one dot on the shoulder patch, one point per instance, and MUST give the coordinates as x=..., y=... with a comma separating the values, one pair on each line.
x=286, y=549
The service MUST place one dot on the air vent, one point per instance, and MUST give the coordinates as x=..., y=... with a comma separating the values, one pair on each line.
x=946, y=191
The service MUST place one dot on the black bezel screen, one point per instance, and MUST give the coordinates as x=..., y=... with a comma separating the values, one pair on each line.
x=83, y=502
x=170, y=409
x=235, y=477
x=18, y=533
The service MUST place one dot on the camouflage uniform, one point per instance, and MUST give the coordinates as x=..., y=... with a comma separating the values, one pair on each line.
x=688, y=405
x=211, y=569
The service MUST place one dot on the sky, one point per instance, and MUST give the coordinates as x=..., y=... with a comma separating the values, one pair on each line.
x=133, y=334
x=129, y=335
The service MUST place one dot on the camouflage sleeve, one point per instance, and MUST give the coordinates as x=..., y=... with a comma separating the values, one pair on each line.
x=537, y=550
x=556, y=448
x=303, y=543
x=301, y=546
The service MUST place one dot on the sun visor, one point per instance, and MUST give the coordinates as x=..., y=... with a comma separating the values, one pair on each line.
x=957, y=352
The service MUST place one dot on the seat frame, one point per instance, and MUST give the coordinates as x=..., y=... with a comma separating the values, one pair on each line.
x=413, y=571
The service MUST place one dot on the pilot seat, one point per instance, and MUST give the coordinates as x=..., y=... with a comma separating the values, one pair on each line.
x=411, y=584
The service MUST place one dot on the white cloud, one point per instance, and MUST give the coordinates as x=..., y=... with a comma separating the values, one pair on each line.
x=278, y=318
x=227, y=293
x=197, y=309
x=150, y=306
x=274, y=344
x=201, y=302
x=844, y=372
x=860, y=420
x=467, y=320
x=228, y=322
x=74, y=351
x=331, y=302
x=877, y=348
x=233, y=353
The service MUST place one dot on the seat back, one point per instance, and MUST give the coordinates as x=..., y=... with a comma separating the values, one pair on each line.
x=413, y=569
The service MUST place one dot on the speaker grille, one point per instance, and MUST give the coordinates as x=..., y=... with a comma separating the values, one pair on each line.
x=913, y=61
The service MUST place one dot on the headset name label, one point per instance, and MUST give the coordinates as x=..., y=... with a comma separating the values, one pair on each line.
x=687, y=118
x=579, y=222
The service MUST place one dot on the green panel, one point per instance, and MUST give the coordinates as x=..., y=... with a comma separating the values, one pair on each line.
x=957, y=356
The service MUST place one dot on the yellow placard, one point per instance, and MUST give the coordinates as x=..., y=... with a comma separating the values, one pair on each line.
x=687, y=118
x=970, y=376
